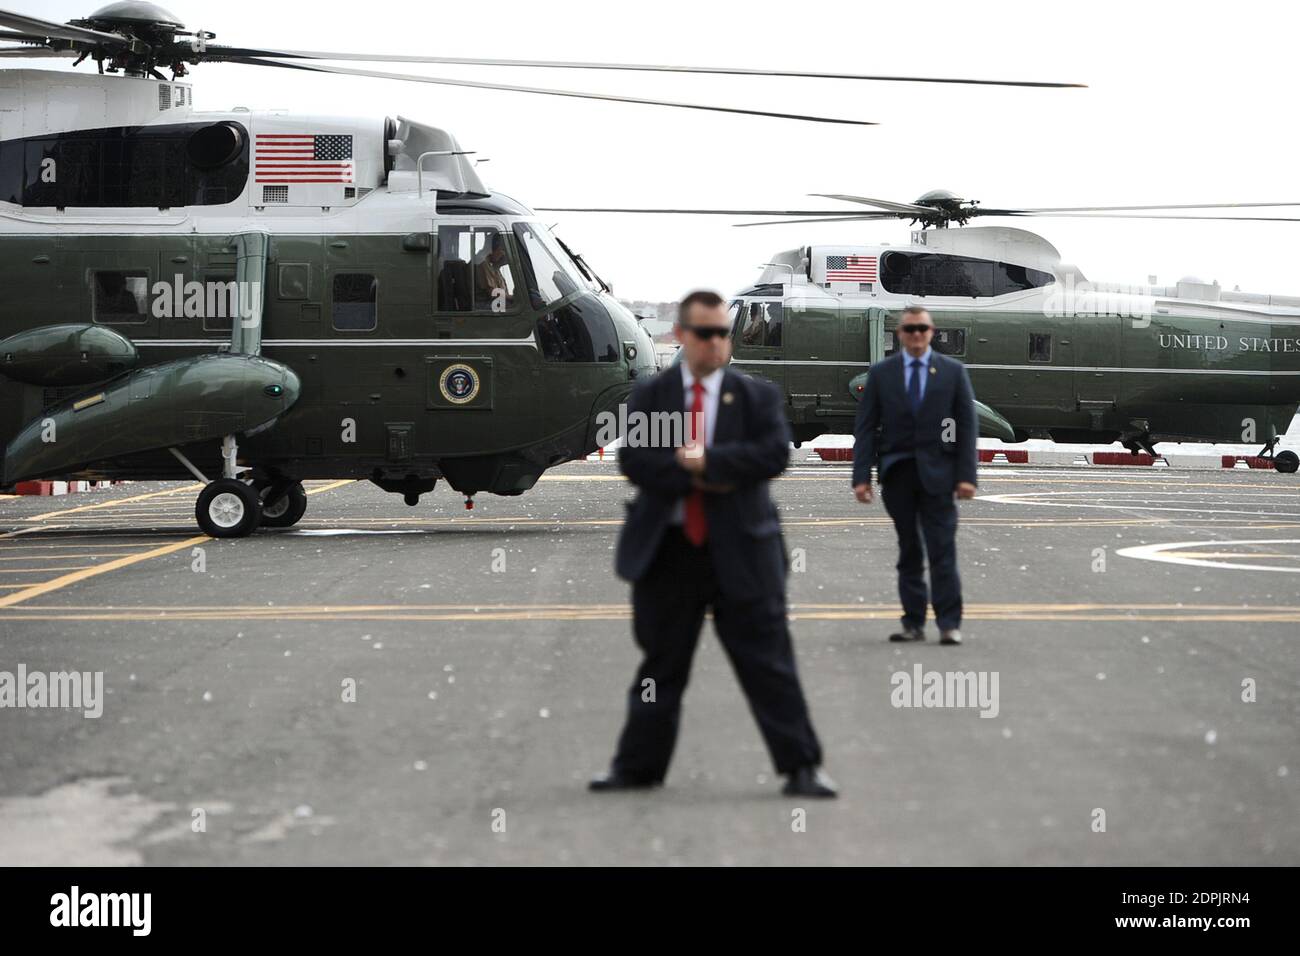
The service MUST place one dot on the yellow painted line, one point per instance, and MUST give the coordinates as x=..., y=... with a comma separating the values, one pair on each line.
x=88, y=571
x=872, y=520
x=67, y=579
x=37, y=543
x=67, y=557
x=23, y=531
x=116, y=503
x=840, y=474
x=331, y=486
x=113, y=504
x=621, y=612
x=22, y=614
x=75, y=567
x=272, y=610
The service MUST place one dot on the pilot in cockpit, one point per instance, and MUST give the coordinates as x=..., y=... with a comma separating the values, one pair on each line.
x=492, y=286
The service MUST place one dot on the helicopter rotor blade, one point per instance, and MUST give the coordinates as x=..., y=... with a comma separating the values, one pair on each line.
x=635, y=67
x=860, y=217
x=900, y=207
x=28, y=52
x=39, y=29
x=696, y=212
x=1205, y=205
x=1119, y=215
x=479, y=85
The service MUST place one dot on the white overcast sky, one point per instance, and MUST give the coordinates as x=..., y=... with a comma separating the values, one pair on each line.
x=1188, y=102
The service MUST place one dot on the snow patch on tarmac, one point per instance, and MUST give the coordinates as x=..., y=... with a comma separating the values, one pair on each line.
x=82, y=823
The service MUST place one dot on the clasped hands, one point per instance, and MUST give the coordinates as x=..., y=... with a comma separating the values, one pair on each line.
x=691, y=458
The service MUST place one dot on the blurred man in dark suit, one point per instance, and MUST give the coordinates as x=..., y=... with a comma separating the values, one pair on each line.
x=917, y=418
x=704, y=533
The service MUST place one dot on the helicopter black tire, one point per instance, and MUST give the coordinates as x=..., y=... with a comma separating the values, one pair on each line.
x=1287, y=462
x=228, y=508
x=285, y=509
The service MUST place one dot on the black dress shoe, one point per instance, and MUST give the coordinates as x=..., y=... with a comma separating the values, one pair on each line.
x=809, y=782
x=908, y=634
x=616, y=781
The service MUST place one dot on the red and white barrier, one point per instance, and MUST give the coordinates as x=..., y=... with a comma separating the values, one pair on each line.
x=1252, y=461
x=1062, y=456
x=60, y=487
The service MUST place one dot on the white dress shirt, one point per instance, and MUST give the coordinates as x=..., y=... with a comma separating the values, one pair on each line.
x=712, y=390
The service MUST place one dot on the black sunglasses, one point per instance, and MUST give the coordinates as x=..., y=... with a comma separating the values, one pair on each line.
x=915, y=329
x=708, y=331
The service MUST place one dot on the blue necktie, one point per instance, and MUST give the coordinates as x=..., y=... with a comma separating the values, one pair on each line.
x=914, y=385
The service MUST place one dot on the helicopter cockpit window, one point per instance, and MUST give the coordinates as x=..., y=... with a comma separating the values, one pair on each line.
x=578, y=331
x=761, y=325
x=120, y=297
x=474, y=270
x=356, y=302
x=552, y=274
x=734, y=313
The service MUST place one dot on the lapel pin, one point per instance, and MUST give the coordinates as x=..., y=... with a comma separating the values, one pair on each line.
x=933, y=370
x=728, y=398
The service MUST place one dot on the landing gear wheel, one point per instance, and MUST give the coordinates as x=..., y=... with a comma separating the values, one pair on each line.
x=286, y=510
x=228, y=508
x=1286, y=462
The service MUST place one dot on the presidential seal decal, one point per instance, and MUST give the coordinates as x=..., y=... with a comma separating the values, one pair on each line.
x=459, y=384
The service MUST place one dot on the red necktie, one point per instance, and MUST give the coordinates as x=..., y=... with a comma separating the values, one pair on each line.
x=696, y=526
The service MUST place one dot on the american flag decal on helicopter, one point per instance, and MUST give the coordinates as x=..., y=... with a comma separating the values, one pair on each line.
x=303, y=158
x=850, y=268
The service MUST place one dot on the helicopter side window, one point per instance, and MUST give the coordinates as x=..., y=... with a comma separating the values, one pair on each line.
x=474, y=270
x=944, y=341
x=762, y=325
x=937, y=274
x=949, y=341
x=356, y=302
x=120, y=298
x=1040, y=346
x=1012, y=278
x=188, y=164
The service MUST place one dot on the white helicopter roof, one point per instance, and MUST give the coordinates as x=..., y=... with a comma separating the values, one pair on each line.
x=347, y=157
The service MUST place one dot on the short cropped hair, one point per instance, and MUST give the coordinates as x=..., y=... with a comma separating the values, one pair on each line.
x=916, y=310
x=704, y=297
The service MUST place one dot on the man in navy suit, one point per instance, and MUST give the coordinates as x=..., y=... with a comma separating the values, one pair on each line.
x=703, y=533
x=917, y=422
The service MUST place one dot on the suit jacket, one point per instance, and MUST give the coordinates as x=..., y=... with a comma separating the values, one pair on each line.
x=749, y=447
x=886, y=430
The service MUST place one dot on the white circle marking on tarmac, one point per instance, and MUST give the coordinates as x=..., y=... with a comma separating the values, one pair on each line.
x=1033, y=498
x=1156, y=552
